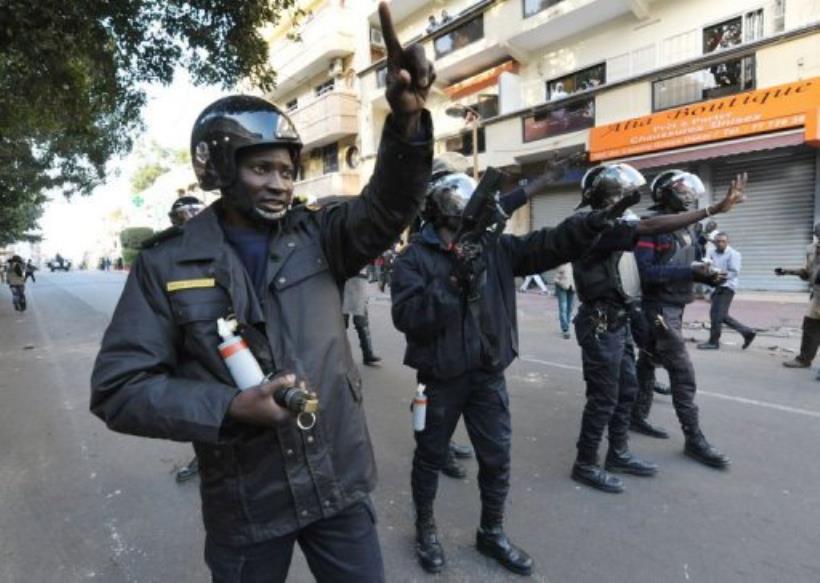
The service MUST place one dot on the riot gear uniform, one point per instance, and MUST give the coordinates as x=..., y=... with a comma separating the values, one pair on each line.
x=667, y=275
x=608, y=286
x=460, y=353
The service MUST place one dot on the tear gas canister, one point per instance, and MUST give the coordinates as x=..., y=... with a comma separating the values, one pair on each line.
x=420, y=408
x=244, y=368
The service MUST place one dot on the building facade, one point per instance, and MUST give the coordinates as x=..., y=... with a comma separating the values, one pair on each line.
x=712, y=87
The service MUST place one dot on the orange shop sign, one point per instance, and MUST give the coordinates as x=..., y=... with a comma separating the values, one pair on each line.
x=753, y=112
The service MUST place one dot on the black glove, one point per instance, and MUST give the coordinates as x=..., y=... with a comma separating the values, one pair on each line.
x=601, y=220
x=708, y=274
x=469, y=266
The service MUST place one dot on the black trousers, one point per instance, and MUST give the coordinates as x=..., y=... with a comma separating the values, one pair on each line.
x=810, y=341
x=721, y=301
x=669, y=347
x=343, y=548
x=609, y=371
x=481, y=397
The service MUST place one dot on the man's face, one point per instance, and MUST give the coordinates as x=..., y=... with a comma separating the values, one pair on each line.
x=721, y=243
x=263, y=189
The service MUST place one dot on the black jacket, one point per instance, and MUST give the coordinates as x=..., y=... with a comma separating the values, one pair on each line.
x=159, y=374
x=442, y=334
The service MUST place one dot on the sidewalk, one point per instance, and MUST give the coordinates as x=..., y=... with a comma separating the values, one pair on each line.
x=778, y=317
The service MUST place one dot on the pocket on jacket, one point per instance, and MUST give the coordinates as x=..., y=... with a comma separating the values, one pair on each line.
x=304, y=262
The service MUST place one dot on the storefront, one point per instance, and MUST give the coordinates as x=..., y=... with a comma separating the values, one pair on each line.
x=769, y=133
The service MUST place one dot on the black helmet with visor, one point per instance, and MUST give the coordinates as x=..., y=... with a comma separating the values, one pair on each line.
x=231, y=124
x=676, y=191
x=605, y=184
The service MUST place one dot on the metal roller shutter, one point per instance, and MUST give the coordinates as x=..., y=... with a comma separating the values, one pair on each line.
x=550, y=209
x=773, y=227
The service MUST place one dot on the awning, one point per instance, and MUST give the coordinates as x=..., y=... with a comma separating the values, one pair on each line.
x=717, y=150
x=481, y=81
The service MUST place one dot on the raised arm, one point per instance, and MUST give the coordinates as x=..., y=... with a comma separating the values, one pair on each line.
x=672, y=222
x=357, y=231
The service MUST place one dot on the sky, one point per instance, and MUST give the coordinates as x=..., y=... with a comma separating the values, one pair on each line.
x=70, y=227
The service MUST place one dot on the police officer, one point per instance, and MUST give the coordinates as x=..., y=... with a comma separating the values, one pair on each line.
x=279, y=269
x=670, y=265
x=460, y=347
x=810, y=272
x=183, y=209
x=354, y=303
x=608, y=286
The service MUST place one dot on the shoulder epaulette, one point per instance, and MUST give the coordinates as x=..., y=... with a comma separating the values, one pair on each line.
x=158, y=238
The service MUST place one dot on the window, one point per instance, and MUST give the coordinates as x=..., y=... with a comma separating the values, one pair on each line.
x=463, y=143
x=723, y=36
x=576, y=116
x=381, y=76
x=325, y=87
x=575, y=82
x=532, y=7
x=711, y=82
x=733, y=32
x=292, y=105
x=460, y=37
x=330, y=158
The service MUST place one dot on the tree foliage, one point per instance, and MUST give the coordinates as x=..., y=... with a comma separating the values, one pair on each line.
x=72, y=77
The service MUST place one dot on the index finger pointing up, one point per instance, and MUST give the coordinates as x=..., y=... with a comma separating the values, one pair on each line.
x=391, y=41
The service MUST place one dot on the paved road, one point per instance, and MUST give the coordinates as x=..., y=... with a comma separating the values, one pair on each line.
x=80, y=503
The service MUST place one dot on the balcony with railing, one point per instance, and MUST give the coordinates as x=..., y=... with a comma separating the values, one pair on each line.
x=325, y=35
x=540, y=23
x=327, y=119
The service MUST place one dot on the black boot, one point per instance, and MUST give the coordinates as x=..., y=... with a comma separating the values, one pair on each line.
x=662, y=389
x=699, y=449
x=463, y=452
x=490, y=540
x=639, y=425
x=620, y=459
x=452, y=468
x=640, y=413
x=587, y=471
x=429, y=552
x=368, y=356
x=185, y=473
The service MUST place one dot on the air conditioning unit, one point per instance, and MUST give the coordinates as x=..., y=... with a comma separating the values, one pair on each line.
x=376, y=38
x=337, y=67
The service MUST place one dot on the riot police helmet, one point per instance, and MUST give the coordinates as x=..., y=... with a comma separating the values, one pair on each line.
x=234, y=123
x=607, y=183
x=184, y=209
x=676, y=191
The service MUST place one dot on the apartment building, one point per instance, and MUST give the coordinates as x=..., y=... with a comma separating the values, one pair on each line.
x=712, y=87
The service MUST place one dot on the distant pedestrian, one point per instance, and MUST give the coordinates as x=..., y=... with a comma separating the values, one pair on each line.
x=16, y=277
x=538, y=281
x=728, y=260
x=354, y=304
x=432, y=23
x=30, y=269
x=565, y=292
x=811, y=322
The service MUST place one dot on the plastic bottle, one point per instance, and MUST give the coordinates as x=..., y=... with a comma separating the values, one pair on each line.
x=245, y=371
x=420, y=409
